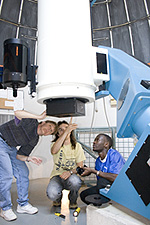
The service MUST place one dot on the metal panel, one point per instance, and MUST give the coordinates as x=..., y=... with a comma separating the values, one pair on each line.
x=10, y=10
x=99, y=21
x=139, y=172
x=29, y=36
x=136, y=9
x=129, y=26
x=101, y=38
x=121, y=39
x=148, y=4
x=141, y=40
x=117, y=12
x=29, y=14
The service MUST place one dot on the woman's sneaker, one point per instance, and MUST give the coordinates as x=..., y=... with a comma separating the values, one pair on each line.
x=73, y=206
x=29, y=209
x=56, y=204
x=8, y=215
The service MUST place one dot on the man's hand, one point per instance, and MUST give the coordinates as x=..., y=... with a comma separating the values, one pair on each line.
x=35, y=160
x=87, y=171
x=42, y=116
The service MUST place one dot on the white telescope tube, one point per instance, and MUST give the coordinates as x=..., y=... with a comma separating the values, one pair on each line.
x=64, y=50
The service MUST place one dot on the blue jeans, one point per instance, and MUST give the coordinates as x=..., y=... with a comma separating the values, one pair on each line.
x=57, y=184
x=10, y=166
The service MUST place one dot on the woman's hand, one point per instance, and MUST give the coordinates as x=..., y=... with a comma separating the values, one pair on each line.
x=70, y=128
x=65, y=175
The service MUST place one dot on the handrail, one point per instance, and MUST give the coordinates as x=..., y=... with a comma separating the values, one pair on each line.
x=87, y=149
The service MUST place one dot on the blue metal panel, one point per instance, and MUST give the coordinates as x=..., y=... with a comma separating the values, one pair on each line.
x=101, y=94
x=93, y=2
x=122, y=190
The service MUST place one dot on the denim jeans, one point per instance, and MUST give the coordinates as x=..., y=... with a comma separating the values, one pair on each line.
x=10, y=166
x=57, y=184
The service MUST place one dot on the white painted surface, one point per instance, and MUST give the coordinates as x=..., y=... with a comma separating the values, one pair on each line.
x=113, y=215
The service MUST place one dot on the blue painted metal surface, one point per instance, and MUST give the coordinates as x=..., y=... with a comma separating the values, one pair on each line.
x=133, y=118
x=93, y=2
x=122, y=190
x=101, y=94
x=123, y=67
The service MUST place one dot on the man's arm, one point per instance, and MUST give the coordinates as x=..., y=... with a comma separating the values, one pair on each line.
x=109, y=176
x=32, y=159
x=20, y=114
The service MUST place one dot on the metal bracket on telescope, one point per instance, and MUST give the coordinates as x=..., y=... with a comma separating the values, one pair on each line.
x=1, y=77
x=31, y=77
x=32, y=80
x=101, y=94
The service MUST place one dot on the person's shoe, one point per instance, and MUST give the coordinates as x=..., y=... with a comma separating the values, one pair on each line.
x=56, y=204
x=29, y=209
x=73, y=206
x=8, y=215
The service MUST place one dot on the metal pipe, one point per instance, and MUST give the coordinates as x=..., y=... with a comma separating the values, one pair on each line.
x=16, y=24
x=109, y=23
x=19, y=19
x=35, y=55
x=130, y=31
x=121, y=25
x=1, y=5
x=147, y=11
x=33, y=1
x=99, y=3
x=87, y=149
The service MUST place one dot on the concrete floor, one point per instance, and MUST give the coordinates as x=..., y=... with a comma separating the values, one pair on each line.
x=89, y=215
x=46, y=214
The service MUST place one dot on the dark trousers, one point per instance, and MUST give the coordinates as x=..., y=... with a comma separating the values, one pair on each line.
x=101, y=183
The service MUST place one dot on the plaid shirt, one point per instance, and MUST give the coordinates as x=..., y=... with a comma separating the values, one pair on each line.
x=21, y=133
